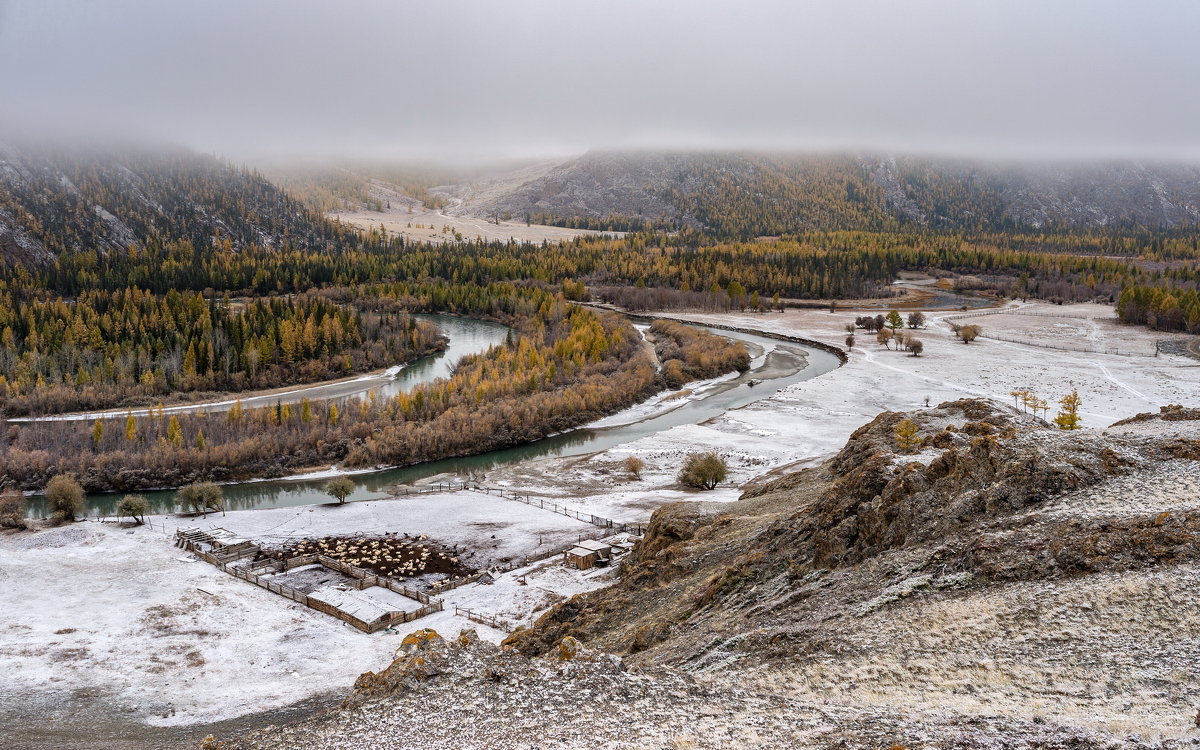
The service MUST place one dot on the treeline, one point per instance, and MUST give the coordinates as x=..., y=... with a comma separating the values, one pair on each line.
x=567, y=365
x=811, y=266
x=129, y=346
x=609, y=223
x=690, y=353
x=1162, y=308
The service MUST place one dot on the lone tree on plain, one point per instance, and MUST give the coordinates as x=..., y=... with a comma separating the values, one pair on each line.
x=893, y=320
x=915, y=346
x=1068, y=415
x=907, y=437
x=634, y=465
x=64, y=495
x=202, y=497
x=703, y=470
x=916, y=320
x=134, y=506
x=850, y=342
x=884, y=337
x=339, y=488
x=969, y=333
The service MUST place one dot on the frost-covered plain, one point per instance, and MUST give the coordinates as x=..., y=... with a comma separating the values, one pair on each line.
x=123, y=617
x=812, y=419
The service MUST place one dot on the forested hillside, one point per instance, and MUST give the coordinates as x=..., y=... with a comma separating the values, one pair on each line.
x=56, y=201
x=745, y=195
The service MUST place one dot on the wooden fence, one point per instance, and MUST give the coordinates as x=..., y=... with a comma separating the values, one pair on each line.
x=617, y=527
x=490, y=620
x=259, y=574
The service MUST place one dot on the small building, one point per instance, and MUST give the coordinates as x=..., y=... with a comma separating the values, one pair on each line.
x=589, y=553
x=581, y=558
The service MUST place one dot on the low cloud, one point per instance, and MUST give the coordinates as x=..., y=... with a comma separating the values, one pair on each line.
x=473, y=79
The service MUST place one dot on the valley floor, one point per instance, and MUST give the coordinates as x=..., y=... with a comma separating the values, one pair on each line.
x=808, y=421
x=120, y=618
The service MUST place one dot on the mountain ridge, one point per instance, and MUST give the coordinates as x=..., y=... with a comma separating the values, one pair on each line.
x=750, y=194
x=58, y=201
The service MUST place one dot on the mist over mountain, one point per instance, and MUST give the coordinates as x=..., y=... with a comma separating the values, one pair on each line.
x=748, y=194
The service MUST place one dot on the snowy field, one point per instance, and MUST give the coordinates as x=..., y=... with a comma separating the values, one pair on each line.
x=122, y=616
x=808, y=421
x=99, y=612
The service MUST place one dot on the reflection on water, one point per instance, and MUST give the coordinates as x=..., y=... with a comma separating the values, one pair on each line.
x=284, y=493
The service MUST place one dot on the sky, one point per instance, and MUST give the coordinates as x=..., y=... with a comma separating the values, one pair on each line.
x=465, y=79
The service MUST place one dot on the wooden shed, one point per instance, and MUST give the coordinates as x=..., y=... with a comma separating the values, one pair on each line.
x=589, y=553
x=581, y=557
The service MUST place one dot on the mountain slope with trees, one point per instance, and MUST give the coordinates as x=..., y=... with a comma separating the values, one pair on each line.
x=55, y=201
x=744, y=195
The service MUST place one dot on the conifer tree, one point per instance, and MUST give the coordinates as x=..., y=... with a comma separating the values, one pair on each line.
x=1068, y=415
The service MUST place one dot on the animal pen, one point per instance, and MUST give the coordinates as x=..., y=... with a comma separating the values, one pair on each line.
x=307, y=580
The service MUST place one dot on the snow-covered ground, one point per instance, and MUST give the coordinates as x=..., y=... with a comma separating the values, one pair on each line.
x=98, y=610
x=125, y=615
x=812, y=419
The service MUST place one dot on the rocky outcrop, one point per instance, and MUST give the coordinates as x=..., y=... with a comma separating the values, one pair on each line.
x=466, y=693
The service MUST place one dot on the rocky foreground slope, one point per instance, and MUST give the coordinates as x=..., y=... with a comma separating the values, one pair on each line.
x=1007, y=585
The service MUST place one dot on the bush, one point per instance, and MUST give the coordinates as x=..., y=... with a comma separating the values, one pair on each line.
x=969, y=333
x=634, y=466
x=202, y=497
x=703, y=470
x=134, y=506
x=64, y=496
x=12, y=509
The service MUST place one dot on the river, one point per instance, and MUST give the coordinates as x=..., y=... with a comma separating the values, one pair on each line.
x=787, y=364
x=467, y=336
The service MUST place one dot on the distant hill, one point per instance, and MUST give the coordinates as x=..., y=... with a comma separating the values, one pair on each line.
x=53, y=202
x=755, y=194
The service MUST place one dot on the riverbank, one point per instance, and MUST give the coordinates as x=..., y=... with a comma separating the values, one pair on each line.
x=466, y=336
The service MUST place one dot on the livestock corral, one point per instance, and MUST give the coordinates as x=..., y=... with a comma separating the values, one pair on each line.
x=352, y=594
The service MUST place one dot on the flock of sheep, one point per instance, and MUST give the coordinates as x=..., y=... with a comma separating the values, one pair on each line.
x=395, y=558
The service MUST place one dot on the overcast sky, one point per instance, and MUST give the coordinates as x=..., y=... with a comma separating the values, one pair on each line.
x=440, y=78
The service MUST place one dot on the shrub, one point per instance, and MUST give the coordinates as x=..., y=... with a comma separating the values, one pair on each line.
x=134, y=506
x=12, y=509
x=703, y=470
x=969, y=333
x=634, y=465
x=202, y=497
x=64, y=496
